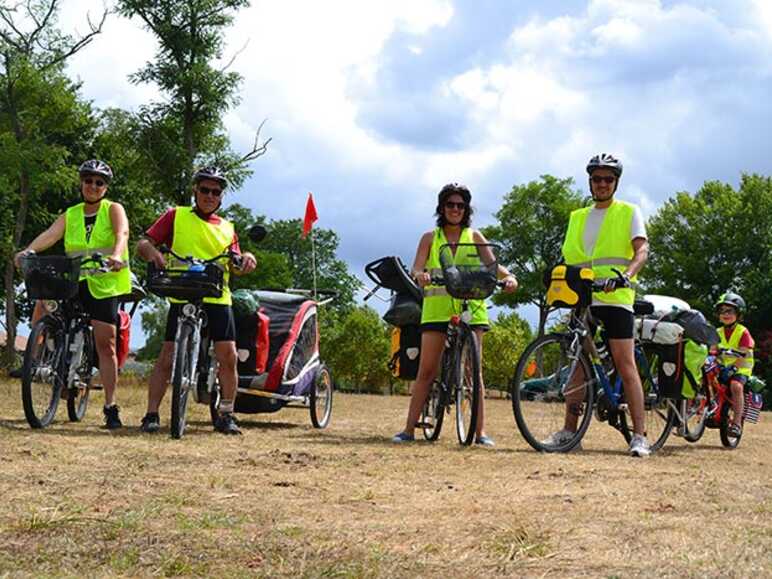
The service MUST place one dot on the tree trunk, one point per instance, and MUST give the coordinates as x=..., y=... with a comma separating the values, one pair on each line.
x=10, y=290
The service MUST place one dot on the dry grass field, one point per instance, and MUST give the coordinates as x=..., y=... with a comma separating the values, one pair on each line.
x=286, y=500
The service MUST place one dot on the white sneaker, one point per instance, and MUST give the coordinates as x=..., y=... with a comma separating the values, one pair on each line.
x=639, y=446
x=560, y=438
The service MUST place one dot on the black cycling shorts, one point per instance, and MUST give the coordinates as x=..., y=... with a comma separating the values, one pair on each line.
x=219, y=325
x=443, y=327
x=618, y=322
x=104, y=310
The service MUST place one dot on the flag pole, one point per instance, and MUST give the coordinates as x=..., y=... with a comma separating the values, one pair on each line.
x=313, y=259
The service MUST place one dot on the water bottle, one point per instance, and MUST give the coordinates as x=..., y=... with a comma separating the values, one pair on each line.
x=605, y=358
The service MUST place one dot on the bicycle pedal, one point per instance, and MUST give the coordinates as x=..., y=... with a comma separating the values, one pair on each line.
x=424, y=425
x=622, y=407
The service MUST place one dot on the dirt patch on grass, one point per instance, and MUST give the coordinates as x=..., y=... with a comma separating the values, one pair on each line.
x=288, y=500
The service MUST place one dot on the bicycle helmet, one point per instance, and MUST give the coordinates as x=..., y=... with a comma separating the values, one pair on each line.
x=605, y=161
x=96, y=167
x=731, y=299
x=211, y=172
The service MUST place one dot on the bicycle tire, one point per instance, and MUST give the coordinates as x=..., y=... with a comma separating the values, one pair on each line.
x=41, y=383
x=697, y=409
x=660, y=414
x=728, y=441
x=467, y=386
x=320, y=400
x=538, y=393
x=183, y=379
x=78, y=395
x=433, y=412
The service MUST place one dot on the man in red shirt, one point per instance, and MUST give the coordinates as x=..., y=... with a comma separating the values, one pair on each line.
x=197, y=227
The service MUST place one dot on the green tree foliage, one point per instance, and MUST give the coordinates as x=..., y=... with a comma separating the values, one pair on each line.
x=531, y=227
x=185, y=129
x=502, y=346
x=715, y=240
x=356, y=347
x=41, y=123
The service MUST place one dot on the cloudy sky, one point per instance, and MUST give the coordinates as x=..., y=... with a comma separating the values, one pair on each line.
x=373, y=106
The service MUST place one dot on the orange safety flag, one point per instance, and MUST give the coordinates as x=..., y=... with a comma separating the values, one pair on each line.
x=310, y=217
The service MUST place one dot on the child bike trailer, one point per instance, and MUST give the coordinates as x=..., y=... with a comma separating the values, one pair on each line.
x=277, y=341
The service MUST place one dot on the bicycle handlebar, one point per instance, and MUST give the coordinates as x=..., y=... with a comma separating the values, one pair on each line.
x=235, y=258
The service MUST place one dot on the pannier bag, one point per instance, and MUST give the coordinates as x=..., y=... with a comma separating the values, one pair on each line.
x=664, y=305
x=122, y=337
x=679, y=371
x=659, y=332
x=405, y=352
x=569, y=286
x=404, y=310
x=695, y=326
x=756, y=384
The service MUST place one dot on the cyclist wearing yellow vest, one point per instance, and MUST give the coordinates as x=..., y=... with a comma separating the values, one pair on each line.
x=96, y=226
x=610, y=236
x=735, y=348
x=454, y=213
x=198, y=232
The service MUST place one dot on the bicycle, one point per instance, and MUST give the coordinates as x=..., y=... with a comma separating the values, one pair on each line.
x=542, y=385
x=712, y=407
x=460, y=376
x=60, y=352
x=194, y=367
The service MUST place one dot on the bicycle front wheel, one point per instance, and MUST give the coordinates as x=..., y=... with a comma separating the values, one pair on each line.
x=467, y=387
x=79, y=387
x=433, y=413
x=694, y=414
x=183, y=379
x=552, y=394
x=41, y=384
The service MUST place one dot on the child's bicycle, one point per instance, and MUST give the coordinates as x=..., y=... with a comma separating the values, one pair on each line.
x=567, y=373
x=460, y=376
x=712, y=406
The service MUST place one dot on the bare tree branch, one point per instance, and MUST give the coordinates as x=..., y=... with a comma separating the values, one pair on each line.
x=258, y=150
x=85, y=40
x=233, y=58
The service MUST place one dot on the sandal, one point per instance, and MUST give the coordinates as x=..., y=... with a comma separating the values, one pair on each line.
x=734, y=430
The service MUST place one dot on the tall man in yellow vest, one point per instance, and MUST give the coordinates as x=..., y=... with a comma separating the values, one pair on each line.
x=96, y=226
x=611, y=235
x=198, y=231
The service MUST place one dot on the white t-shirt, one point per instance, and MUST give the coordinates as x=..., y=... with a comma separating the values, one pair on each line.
x=592, y=227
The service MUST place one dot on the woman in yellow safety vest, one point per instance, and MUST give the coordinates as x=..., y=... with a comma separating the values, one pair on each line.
x=454, y=213
x=735, y=348
x=96, y=225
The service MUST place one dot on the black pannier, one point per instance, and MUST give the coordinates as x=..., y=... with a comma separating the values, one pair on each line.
x=404, y=310
x=405, y=352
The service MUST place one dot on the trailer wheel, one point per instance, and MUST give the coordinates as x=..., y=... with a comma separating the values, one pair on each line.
x=321, y=398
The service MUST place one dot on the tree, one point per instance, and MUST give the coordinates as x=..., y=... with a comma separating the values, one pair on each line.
x=502, y=346
x=356, y=347
x=715, y=240
x=531, y=227
x=186, y=129
x=39, y=114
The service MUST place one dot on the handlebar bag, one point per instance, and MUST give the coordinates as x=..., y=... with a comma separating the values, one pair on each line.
x=569, y=286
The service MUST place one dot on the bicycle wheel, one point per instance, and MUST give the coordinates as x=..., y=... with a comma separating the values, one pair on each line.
x=183, y=379
x=694, y=415
x=40, y=383
x=320, y=403
x=79, y=387
x=433, y=412
x=660, y=414
x=467, y=386
x=727, y=414
x=544, y=396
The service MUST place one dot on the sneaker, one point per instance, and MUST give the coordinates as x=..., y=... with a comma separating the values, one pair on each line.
x=560, y=438
x=734, y=430
x=151, y=423
x=112, y=420
x=226, y=424
x=485, y=441
x=639, y=446
x=403, y=437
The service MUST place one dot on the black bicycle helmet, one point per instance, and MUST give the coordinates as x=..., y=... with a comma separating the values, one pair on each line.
x=605, y=161
x=96, y=167
x=731, y=299
x=211, y=172
x=454, y=189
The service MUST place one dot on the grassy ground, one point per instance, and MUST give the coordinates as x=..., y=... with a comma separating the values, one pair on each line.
x=287, y=500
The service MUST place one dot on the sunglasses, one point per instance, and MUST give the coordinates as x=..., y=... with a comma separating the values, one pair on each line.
x=97, y=182
x=207, y=191
x=453, y=205
x=607, y=180
x=727, y=310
